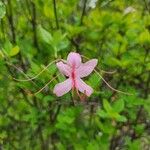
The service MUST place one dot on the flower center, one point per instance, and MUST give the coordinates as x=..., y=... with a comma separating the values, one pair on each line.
x=73, y=76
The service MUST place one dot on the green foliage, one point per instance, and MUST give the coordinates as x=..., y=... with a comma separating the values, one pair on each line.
x=34, y=33
x=2, y=10
x=112, y=112
x=45, y=35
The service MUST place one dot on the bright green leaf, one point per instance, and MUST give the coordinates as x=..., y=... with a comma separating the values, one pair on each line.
x=2, y=10
x=14, y=51
x=107, y=105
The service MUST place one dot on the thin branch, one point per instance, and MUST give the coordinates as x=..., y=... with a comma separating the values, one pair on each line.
x=11, y=22
x=34, y=25
x=55, y=13
x=83, y=12
x=3, y=28
x=56, y=114
x=146, y=6
x=10, y=17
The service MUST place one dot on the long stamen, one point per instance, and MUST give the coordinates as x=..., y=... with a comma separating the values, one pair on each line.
x=78, y=94
x=106, y=81
x=46, y=85
x=103, y=71
x=110, y=85
x=10, y=64
x=106, y=72
x=24, y=80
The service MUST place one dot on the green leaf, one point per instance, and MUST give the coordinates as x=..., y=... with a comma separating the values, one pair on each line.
x=94, y=80
x=45, y=35
x=139, y=128
x=48, y=98
x=7, y=47
x=118, y=105
x=102, y=113
x=113, y=61
x=92, y=146
x=14, y=51
x=47, y=11
x=59, y=41
x=107, y=105
x=144, y=37
x=2, y=10
x=121, y=118
x=135, y=145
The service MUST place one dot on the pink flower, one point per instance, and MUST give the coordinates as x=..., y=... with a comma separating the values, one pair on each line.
x=74, y=69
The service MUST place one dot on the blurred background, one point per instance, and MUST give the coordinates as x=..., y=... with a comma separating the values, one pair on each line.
x=35, y=32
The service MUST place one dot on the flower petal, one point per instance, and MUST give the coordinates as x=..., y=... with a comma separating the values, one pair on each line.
x=74, y=59
x=62, y=88
x=86, y=68
x=64, y=68
x=83, y=87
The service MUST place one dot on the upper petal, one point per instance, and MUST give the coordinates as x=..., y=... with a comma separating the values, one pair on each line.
x=62, y=88
x=86, y=68
x=83, y=87
x=64, y=68
x=74, y=59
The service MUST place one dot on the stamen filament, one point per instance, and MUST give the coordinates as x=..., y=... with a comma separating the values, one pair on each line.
x=24, y=80
x=106, y=81
x=46, y=85
x=103, y=71
x=20, y=71
x=110, y=85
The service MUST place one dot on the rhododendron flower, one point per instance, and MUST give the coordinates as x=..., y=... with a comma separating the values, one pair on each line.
x=74, y=69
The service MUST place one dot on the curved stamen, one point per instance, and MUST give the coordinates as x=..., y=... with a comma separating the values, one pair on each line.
x=103, y=71
x=20, y=71
x=24, y=80
x=46, y=85
x=110, y=85
x=106, y=81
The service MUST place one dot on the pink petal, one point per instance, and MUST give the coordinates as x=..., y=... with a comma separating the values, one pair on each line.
x=62, y=88
x=87, y=68
x=63, y=68
x=83, y=87
x=74, y=59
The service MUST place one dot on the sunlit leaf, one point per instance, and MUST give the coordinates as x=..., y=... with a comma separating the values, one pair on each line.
x=14, y=51
x=2, y=10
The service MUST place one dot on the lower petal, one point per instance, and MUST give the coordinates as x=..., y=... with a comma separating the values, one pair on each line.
x=62, y=88
x=83, y=87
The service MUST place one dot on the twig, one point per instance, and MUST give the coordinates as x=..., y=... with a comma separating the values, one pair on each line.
x=2, y=28
x=83, y=12
x=11, y=22
x=34, y=25
x=55, y=13
x=146, y=6
x=56, y=114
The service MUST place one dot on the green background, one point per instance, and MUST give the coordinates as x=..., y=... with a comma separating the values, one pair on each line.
x=35, y=32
